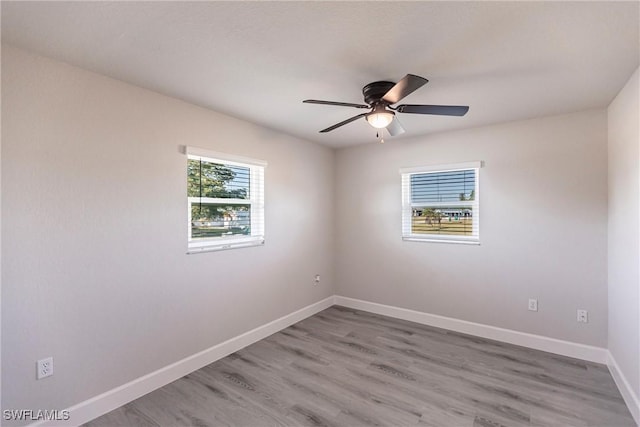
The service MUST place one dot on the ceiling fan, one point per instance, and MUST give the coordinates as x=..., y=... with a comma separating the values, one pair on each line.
x=379, y=97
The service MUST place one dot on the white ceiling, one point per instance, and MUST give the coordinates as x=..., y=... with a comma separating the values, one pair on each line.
x=259, y=60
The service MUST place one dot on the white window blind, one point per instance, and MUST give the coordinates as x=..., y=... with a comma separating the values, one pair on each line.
x=441, y=203
x=225, y=201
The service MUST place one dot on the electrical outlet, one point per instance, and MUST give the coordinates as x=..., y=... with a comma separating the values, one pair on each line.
x=44, y=368
x=583, y=316
x=316, y=280
x=533, y=304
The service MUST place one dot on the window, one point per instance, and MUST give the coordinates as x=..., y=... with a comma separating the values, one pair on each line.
x=225, y=201
x=440, y=203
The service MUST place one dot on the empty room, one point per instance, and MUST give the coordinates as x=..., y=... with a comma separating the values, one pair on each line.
x=308, y=213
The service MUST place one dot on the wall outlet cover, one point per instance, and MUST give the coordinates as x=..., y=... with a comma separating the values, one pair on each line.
x=583, y=316
x=44, y=368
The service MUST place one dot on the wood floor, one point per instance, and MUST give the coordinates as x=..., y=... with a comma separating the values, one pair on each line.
x=344, y=367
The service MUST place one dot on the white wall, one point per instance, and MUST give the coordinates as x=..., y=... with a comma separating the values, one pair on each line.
x=95, y=271
x=543, y=227
x=624, y=232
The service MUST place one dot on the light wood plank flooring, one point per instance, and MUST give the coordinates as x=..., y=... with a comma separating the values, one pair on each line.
x=344, y=367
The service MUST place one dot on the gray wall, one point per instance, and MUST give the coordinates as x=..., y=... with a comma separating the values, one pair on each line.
x=624, y=231
x=94, y=212
x=543, y=227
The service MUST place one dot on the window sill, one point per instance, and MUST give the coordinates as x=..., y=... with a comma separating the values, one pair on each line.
x=432, y=240
x=223, y=246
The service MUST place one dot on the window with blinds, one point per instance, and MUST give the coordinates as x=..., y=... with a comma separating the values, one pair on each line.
x=441, y=203
x=225, y=197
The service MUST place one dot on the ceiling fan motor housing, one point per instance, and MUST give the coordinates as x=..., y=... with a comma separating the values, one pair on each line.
x=373, y=92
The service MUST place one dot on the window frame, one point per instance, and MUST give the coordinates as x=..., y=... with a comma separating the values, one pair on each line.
x=255, y=203
x=408, y=205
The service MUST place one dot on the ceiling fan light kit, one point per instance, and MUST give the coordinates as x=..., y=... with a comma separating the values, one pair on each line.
x=380, y=117
x=379, y=97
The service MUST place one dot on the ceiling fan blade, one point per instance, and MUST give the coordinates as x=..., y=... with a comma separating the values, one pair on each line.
x=440, y=110
x=340, y=104
x=337, y=125
x=395, y=128
x=404, y=87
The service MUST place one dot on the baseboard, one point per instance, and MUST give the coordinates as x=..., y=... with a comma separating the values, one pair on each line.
x=538, y=342
x=112, y=399
x=630, y=398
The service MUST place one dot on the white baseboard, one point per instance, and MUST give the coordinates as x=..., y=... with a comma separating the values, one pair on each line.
x=112, y=399
x=538, y=342
x=630, y=398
